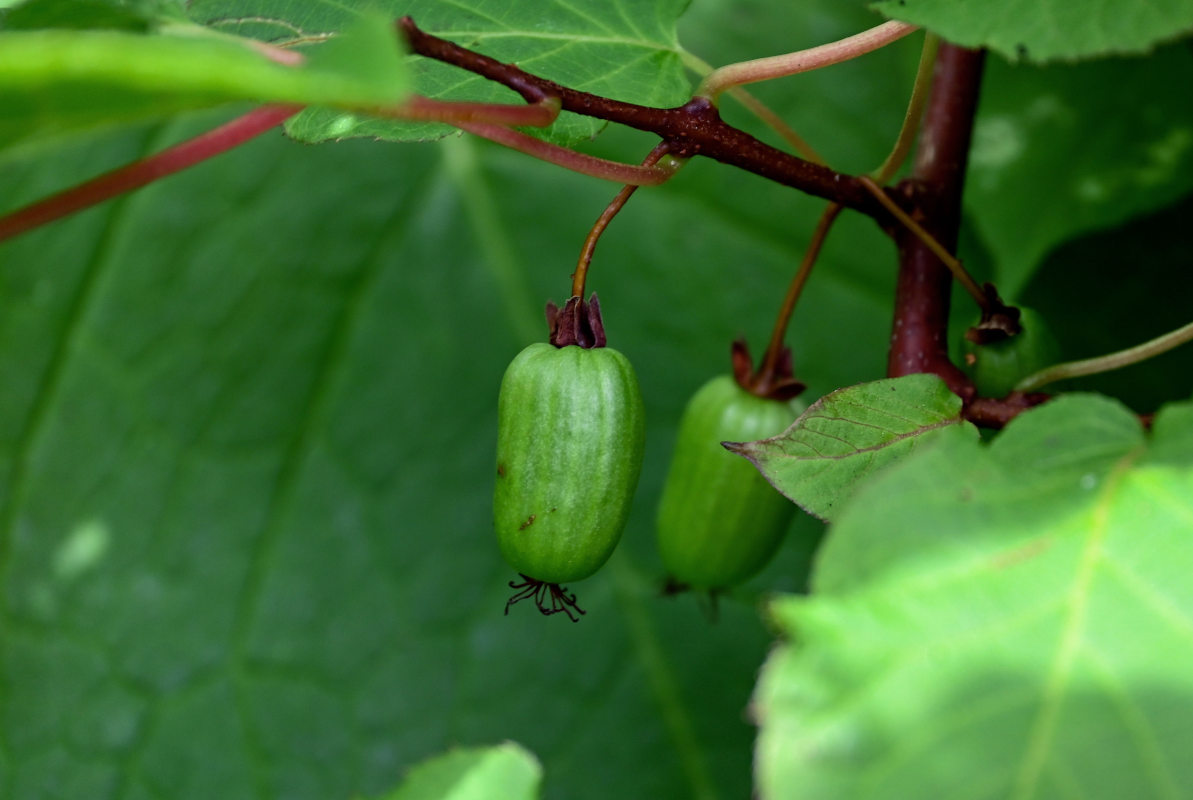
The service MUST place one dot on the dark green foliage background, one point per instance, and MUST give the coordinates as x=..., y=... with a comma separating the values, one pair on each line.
x=267, y=387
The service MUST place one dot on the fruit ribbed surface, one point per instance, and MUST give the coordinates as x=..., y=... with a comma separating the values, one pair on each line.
x=569, y=451
x=719, y=521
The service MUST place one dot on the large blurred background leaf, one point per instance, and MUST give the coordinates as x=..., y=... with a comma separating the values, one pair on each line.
x=1064, y=150
x=245, y=449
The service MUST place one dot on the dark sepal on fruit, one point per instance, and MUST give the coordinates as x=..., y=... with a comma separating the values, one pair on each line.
x=777, y=384
x=559, y=598
x=999, y=320
x=578, y=323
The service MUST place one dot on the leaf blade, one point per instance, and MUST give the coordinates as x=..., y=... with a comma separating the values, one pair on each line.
x=621, y=49
x=848, y=435
x=1050, y=30
x=1009, y=631
x=59, y=82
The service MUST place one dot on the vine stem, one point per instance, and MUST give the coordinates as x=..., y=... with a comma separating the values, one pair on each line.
x=536, y=115
x=240, y=130
x=760, y=110
x=915, y=110
x=1109, y=362
x=762, y=69
x=776, y=123
x=903, y=143
x=929, y=241
x=595, y=167
x=695, y=128
x=919, y=336
x=774, y=349
x=580, y=276
x=145, y=171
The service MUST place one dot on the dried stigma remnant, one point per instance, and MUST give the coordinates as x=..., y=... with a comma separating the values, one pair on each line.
x=558, y=597
x=570, y=431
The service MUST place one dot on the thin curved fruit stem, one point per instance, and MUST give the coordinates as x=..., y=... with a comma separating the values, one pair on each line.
x=145, y=171
x=774, y=350
x=776, y=123
x=762, y=69
x=598, y=228
x=890, y=165
x=959, y=272
x=570, y=159
x=1109, y=362
x=759, y=110
x=915, y=111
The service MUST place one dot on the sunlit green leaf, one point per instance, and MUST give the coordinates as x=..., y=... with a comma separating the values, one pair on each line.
x=506, y=771
x=847, y=436
x=1004, y=620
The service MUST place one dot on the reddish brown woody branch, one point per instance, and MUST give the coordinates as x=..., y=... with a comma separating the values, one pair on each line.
x=932, y=196
x=919, y=337
x=694, y=128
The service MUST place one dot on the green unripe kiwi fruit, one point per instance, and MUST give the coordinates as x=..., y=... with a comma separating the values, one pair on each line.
x=570, y=434
x=998, y=366
x=719, y=520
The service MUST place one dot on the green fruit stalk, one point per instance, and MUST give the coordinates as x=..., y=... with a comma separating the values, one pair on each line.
x=719, y=521
x=570, y=438
x=996, y=367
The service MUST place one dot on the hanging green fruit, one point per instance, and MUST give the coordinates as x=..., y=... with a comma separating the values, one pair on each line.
x=570, y=439
x=719, y=521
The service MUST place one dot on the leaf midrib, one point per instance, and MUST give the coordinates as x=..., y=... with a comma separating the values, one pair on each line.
x=1043, y=729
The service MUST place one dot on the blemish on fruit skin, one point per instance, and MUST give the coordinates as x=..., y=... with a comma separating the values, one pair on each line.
x=501, y=470
x=529, y=521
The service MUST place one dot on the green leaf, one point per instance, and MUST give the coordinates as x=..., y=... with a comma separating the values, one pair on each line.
x=847, y=436
x=245, y=543
x=507, y=771
x=271, y=380
x=138, y=15
x=1049, y=30
x=1063, y=150
x=269, y=385
x=1010, y=620
x=624, y=49
x=58, y=81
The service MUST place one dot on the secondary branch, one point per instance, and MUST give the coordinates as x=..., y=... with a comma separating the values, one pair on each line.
x=919, y=337
x=694, y=128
